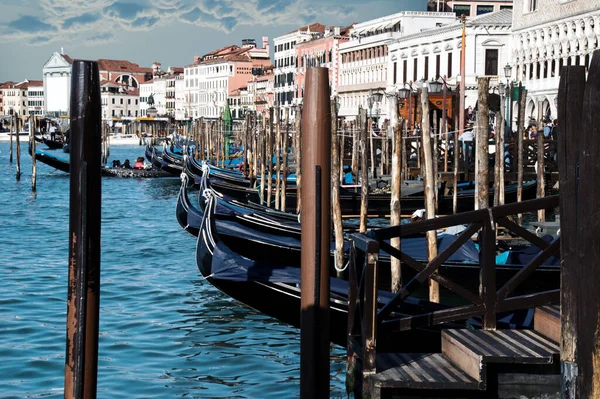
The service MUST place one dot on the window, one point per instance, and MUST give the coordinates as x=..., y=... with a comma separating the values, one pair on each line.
x=484, y=9
x=530, y=5
x=491, y=61
x=506, y=7
x=404, y=71
x=129, y=101
x=121, y=101
x=461, y=9
x=437, y=65
x=426, y=76
x=415, y=67
x=113, y=100
x=395, y=72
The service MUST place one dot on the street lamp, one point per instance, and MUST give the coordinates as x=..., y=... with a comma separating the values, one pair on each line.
x=507, y=71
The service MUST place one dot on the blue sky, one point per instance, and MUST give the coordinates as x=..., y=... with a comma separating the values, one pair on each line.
x=168, y=31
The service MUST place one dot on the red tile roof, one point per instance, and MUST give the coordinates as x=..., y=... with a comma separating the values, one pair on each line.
x=315, y=27
x=36, y=83
x=66, y=57
x=121, y=66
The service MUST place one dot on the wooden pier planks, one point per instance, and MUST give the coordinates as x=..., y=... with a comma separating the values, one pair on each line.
x=420, y=371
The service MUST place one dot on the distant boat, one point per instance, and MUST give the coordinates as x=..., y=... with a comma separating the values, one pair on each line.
x=124, y=139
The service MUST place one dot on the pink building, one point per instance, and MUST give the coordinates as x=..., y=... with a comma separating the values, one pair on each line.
x=323, y=52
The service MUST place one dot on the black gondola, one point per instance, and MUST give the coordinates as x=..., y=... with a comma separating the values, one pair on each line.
x=64, y=166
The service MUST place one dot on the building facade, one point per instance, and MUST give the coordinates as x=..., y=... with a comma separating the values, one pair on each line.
x=35, y=98
x=472, y=8
x=213, y=77
x=286, y=62
x=547, y=35
x=57, y=84
x=365, y=58
x=119, y=101
x=322, y=52
x=57, y=80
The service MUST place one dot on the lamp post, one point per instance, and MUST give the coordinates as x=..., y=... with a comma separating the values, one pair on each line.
x=374, y=98
x=508, y=113
x=405, y=93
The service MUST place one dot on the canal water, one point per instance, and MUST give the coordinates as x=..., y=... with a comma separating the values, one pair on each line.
x=164, y=331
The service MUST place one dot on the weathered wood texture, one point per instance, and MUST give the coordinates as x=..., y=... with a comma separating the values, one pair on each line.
x=395, y=211
x=335, y=192
x=364, y=198
x=579, y=170
x=481, y=145
x=429, y=182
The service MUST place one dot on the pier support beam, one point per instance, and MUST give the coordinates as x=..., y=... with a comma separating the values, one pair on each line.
x=83, y=294
x=316, y=222
x=579, y=171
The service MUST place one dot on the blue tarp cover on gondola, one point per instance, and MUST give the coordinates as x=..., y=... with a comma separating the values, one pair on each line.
x=228, y=265
x=416, y=248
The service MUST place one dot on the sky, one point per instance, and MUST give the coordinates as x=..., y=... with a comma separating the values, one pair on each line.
x=171, y=32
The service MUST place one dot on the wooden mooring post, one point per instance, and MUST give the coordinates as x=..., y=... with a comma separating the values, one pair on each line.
x=298, y=157
x=579, y=171
x=481, y=144
x=335, y=192
x=32, y=143
x=315, y=221
x=429, y=189
x=18, y=120
x=364, y=176
x=395, y=206
x=12, y=128
x=285, y=145
x=83, y=295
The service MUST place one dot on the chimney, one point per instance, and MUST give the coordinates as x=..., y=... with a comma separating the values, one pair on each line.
x=265, y=40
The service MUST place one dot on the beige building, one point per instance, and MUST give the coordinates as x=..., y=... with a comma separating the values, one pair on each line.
x=118, y=102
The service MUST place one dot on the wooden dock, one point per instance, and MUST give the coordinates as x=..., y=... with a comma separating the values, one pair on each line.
x=467, y=365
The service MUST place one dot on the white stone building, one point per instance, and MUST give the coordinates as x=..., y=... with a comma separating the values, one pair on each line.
x=547, y=35
x=117, y=102
x=365, y=57
x=436, y=53
x=57, y=84
x=35, y=98
x=180, y=104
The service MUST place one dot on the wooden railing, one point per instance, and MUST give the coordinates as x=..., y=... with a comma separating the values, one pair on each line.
x=367, y=315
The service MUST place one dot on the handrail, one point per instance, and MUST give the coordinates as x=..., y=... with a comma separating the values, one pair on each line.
x=487, y=302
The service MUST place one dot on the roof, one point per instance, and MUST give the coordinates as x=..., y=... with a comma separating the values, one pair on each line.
x=36, y=83
x=121, y=66
x=7, y=85
x=67, y=58
x=502, y=17
x=314, y=27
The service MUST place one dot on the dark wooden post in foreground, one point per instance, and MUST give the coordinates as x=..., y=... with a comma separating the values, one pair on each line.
x=316, y=221
x=579, y=171
x=83, y=295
